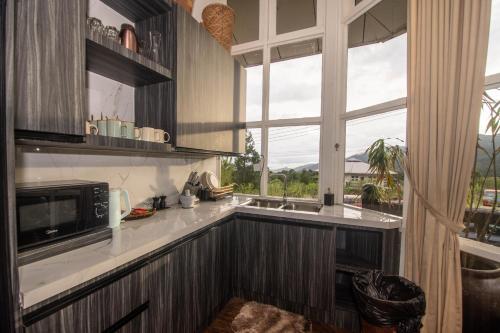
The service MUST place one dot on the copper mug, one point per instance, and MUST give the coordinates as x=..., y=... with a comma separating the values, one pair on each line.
x=128, y=38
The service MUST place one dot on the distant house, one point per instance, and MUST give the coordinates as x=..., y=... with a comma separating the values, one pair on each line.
x=356, y=170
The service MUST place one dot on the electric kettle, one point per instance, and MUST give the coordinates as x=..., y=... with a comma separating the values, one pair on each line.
x=115, y=209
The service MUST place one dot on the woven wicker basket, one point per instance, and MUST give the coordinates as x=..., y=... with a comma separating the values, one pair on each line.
x=218, y=19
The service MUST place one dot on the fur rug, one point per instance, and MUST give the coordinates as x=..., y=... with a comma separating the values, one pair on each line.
x=261, y=318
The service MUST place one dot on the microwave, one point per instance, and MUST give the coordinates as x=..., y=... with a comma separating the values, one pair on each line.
x=49, y=212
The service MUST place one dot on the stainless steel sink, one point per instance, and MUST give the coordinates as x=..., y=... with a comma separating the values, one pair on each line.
x=303, y=206
x=265, y=203
x=290, y=205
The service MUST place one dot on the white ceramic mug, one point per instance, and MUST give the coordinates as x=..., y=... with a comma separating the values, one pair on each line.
x=115, y=128
x=91, y=128
x=161, y=136
x=137, y=133
x=147, y=134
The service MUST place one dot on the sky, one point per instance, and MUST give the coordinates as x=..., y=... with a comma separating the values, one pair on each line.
x=376, y=74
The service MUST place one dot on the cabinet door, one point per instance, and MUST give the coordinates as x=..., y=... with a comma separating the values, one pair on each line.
x=119, y=307
x=190, y=284
x=50, y=66
x=290, y=265
x=209, y=112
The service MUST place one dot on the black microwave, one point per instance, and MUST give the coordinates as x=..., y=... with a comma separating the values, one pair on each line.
x=48, y=212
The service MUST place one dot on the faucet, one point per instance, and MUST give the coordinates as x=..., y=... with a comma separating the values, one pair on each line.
x=285, y=187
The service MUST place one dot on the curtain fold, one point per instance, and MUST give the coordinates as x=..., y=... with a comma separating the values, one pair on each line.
x=447, y=48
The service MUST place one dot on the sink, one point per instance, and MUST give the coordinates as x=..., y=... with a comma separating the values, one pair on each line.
x=303, y=206
x=278, y=204
x=264, y=203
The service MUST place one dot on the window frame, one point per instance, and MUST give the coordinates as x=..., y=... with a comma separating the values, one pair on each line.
x=268, y=40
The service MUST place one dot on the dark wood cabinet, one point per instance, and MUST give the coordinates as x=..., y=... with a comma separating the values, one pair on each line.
x=50, y=67
x=121, y=306
x=286, y=264
x=293, y=264
x=209, y=111
x=190, y=284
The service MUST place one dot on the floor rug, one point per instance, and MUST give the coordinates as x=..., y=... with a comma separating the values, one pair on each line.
x=261, y=318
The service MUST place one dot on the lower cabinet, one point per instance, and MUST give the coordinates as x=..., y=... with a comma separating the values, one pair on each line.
x=121, y=306
x=286, y=264
x=190, y=284
x=298, y=266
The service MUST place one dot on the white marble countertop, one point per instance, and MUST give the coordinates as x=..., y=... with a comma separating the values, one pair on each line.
x=46, y=278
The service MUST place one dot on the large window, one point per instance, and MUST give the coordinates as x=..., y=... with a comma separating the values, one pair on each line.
x=373, y=146
x=482, y=213
x=493, y=60
x=245, y=171
x=283, y=121
x=376, y=108
x=295, y=83
x=294, y=153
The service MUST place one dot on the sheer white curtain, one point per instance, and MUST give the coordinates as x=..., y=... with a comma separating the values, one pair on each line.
x=447, y=47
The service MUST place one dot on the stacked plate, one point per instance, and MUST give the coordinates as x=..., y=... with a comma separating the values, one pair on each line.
x=210, y=181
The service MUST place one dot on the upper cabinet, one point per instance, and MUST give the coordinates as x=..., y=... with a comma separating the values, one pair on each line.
x=210, y=113
x=193, y=91
x=50, y=67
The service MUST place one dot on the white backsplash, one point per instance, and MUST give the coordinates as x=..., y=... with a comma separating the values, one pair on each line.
x=109, y=98
x=143, y=177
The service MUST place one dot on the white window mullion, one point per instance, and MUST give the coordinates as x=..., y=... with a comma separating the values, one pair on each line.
x=334, y=82
x=265, y=117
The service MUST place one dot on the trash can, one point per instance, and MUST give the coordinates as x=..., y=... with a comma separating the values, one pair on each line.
x=388, y=303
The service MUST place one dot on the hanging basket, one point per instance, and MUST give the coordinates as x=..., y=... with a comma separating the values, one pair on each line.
x=218, y=19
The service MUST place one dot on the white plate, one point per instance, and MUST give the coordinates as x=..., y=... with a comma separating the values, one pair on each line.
x=212, y=180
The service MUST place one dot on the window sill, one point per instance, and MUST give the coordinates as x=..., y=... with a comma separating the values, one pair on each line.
x=479, y=249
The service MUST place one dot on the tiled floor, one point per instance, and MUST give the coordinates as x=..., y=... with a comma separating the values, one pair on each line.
x=222, y=324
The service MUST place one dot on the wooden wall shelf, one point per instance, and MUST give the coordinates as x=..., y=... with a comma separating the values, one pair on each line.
x=103, y=143
x=138, y=10
x=110, y=59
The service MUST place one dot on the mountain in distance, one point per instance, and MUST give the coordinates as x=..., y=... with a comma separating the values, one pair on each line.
x=481, y=163
x=309, y=166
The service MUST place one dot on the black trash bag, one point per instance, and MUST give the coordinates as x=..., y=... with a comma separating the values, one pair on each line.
x=389, y=301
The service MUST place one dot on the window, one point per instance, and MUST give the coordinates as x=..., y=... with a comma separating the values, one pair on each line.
x=376, y=71
x=363, y=133
x=293, y=15
x=252, y=62
x=376, y=108
x=246, y=24
x=294, y=152
x=482, y=212
x=295, y=80
x=493, y=61
x=283, y=121
x=244, y=171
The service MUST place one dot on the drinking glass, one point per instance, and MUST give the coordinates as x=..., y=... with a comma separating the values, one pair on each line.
x=154, y=42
